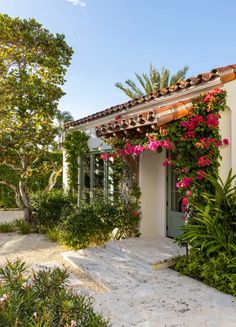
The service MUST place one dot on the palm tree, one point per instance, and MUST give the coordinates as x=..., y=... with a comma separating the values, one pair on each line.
x=62, y=117
x=152, y=82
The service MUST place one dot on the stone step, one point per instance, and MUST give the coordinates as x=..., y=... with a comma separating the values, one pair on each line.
x=156, y=252
x=125, y=266
x=102, y=267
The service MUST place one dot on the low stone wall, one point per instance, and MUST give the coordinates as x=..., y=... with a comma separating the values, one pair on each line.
x=10, y=215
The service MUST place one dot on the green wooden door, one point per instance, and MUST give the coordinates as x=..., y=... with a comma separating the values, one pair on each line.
x=174, y=214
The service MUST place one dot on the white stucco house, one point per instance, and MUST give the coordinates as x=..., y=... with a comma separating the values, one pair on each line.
x=154, y=111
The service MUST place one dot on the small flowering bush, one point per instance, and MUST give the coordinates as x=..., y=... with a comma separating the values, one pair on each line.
x=43, y=300
x=192, y=142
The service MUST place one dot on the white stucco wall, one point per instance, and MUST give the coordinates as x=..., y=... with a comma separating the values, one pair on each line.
x=152, y=182
x=225, y=150
x=229, y=128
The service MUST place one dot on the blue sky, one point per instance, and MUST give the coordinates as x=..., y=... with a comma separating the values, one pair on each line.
x=112, y=39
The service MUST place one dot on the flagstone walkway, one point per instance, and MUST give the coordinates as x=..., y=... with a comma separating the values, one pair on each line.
x=137, y=295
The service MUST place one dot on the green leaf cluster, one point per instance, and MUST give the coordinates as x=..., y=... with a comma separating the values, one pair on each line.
x=218, y=272
x=47, y=208
x=212, y=228
x=42, y=299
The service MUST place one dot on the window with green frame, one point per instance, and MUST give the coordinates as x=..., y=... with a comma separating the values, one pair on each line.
x=94, y=177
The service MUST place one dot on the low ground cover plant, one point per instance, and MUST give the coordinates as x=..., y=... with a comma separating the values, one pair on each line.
x=211, y=236
x=42, y=299
x=19, y=225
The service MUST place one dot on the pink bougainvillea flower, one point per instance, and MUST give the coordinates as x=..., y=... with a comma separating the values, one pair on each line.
x=168, y=161
x=185, y=202
x=167, y=144
x=190, y=134
x=207, y=162
x=184, y=218
x=212, y=121
x=186, y=181
x=201, y=174
x=207, y=98
x=104, y=156
x=153, y=145
x=178, y=184
x=198, y=119
x=189, y=124
x=188, y=193
x=202, y=162
x=138, y=149
x=212, y=93
x=225, y=141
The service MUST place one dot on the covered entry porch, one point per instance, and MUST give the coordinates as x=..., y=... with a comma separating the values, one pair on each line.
x=160, y=202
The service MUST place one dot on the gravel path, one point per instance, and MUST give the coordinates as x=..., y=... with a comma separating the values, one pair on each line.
x=35, y=249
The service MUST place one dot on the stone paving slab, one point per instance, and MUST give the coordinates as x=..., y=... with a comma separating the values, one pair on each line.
x=174, y=301
x=149, y=251
x=103, y=272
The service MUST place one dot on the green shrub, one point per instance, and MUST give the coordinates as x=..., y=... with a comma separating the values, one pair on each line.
x=43, y=300
x=95, y=223
x=219, y=272
x=7, y=227
x=48, y=207
x=213, y=225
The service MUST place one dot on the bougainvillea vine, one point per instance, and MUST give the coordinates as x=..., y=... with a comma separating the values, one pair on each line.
x=192, y=143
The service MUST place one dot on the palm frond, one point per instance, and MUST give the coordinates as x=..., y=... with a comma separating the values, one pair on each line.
x=149, y=87
x=179, y=76
x=134, y=88
x=154, y=77
x=165, y=76
x=126, y=90
x=141, y=80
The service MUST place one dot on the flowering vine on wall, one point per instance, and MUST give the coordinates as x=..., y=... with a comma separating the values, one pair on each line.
x=192, y=142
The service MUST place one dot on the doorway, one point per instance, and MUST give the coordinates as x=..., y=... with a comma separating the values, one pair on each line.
x=174, y=215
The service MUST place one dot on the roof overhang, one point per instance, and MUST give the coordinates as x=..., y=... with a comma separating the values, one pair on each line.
x=141, y=122
x=155, y=110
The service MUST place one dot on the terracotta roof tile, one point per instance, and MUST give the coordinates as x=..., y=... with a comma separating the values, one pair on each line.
x=145, y=120
x=227, y=73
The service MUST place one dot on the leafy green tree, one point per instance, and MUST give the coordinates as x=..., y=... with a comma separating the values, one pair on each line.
x=152, y=82
x=33, y=64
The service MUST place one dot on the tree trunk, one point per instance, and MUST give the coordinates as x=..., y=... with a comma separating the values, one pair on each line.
x=52, y=180
x=26, y=203
x=17, y=193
